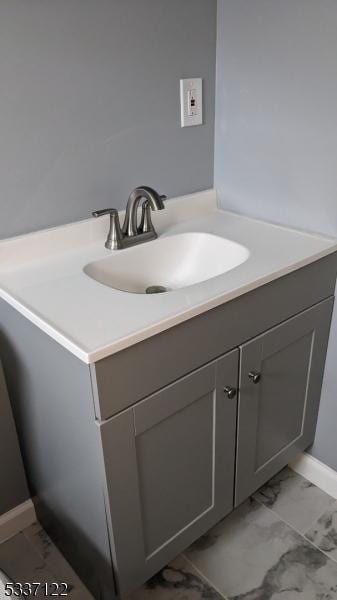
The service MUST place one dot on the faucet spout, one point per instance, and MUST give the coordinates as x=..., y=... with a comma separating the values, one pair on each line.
x=145, y=193
x=130, y=234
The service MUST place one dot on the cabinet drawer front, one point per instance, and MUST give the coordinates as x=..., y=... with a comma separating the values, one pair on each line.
x=170, y=469
x=278, y=410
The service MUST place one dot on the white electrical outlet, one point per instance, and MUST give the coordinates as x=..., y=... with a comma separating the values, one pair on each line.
x=191, y=102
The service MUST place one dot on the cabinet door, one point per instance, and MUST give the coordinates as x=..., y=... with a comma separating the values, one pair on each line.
x=281, y=375
x=170, y=469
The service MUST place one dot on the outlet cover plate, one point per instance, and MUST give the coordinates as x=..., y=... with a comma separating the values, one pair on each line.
x=191, y=102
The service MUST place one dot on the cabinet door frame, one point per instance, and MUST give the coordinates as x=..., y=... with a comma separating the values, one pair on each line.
x=316, y=321
x=123, y=501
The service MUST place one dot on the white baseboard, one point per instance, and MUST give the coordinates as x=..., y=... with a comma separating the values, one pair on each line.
x=16, y=520
x=316, y=472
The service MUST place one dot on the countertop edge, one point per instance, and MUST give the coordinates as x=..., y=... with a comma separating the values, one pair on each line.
x=143, y=334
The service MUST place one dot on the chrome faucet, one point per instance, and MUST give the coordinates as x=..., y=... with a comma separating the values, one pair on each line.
x=131, y=234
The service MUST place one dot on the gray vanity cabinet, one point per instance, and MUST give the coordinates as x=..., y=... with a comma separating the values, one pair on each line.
x=280, y=381
x=148, y=450
x=170, y=468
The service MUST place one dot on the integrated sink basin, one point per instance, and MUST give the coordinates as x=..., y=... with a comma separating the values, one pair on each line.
x=168, y=263
x=68, y=284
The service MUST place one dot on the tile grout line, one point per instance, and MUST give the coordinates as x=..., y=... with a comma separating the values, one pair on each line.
x=32, y=544
x=34, y=547
x=275, y=513
x=334, y=501
x=208, y=581
x=297, y=531
x=51, y=566
x=37, y=549
x=321, y=515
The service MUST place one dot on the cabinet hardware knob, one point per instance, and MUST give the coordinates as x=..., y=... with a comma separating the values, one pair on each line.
x=230, y=392
x=254, y=376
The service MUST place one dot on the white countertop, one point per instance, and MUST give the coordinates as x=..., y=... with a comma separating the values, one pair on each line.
x=41, y=275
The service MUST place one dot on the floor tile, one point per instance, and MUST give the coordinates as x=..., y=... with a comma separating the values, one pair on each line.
x=294, y=499
x=31, y=557
x=177, y=581
x=22, y=564
x=54, y=561
x=324, y=532
x=253, y=555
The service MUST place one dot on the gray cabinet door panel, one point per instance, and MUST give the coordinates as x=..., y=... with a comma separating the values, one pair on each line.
x=278, y=415
x=170, y=466
x=175, y=461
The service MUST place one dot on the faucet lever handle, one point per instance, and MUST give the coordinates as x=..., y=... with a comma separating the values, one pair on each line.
x=114, y=240
x=104, y=211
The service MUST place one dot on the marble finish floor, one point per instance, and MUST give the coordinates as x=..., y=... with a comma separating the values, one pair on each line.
x=30, y=556
x=281, y=544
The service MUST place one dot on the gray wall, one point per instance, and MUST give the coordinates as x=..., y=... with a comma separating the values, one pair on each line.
x=89, y=104
x=13, y=485
x=89, y=108
x=276, y=131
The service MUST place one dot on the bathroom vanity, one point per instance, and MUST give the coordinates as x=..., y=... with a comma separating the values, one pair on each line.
x=171, y=409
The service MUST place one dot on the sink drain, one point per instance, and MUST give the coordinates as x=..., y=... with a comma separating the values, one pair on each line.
x=155, y=289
